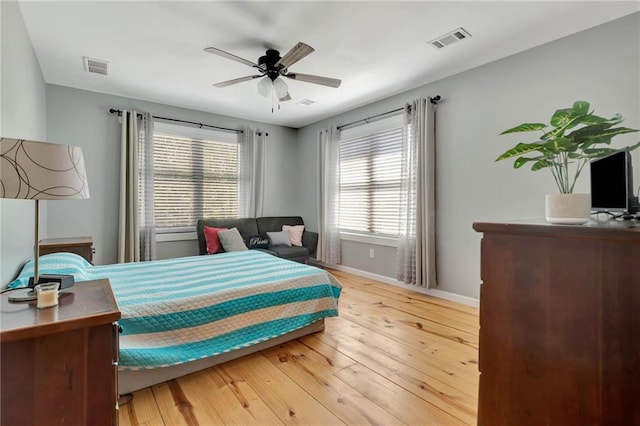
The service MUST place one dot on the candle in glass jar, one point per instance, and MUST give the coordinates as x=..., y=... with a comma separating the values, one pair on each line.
x=47, y=295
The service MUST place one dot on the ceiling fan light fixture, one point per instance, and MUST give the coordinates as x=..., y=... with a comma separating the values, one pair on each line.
x=273, y=69
x=280, y=87
x=264, y=86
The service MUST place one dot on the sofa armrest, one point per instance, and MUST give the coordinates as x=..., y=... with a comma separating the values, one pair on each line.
x=310, y=241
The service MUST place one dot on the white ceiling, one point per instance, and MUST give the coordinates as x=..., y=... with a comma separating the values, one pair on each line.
x=378, y=49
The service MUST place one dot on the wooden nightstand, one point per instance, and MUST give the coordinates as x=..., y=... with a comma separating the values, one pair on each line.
x=82, y=246
x=59, y=365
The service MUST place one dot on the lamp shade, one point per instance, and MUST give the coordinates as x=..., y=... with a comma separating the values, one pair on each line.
x=41, y=171
x=280, y=87
x=265, y=86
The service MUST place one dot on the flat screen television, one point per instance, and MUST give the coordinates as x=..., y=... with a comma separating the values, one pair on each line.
x=612, y=184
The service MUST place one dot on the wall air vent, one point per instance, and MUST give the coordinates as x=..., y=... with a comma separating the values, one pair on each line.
x=97, y=66
x=450, y=38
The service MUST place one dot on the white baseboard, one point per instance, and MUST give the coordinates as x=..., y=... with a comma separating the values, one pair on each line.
x=453, y=297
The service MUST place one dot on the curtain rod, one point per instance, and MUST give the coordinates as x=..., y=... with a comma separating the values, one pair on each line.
x=434, y=100
x=201, y=125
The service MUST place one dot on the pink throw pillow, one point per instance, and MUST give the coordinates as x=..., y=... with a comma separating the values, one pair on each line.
x=295, y=234
x=213, y=241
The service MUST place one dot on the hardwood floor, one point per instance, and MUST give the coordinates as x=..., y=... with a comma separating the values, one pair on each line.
x=392, y=357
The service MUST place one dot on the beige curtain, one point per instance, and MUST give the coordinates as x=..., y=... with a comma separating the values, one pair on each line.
x=416, y=249
x=136, y=230
x=252, y=162
x=328, y=250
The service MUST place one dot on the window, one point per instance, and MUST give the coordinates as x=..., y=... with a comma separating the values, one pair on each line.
x=370, y=177
x=195, y=176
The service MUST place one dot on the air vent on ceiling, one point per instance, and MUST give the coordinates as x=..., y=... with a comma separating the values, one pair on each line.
x=97, y=66
x=305, y=102
x=450, y=38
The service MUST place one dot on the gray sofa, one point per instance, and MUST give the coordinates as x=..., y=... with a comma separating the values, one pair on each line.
x=250, y=227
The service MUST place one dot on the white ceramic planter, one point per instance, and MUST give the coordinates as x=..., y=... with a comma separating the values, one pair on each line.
x=568, y=209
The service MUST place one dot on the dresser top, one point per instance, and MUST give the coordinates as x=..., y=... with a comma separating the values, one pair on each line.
x=614, y=229
x=85, y=304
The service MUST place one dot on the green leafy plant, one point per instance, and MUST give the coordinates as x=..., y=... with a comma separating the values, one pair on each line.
x=574, y=137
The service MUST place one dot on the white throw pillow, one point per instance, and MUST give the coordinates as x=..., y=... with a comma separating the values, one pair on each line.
x=295, y=234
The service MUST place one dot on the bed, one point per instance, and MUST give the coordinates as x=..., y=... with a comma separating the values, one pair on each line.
x=185, y=314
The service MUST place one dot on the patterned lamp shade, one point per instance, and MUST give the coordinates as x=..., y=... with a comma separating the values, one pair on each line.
x=41, y=171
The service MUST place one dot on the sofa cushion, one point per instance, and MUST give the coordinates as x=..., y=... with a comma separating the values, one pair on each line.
x=256, y=241
x=295, y=234
x=290, y=252
x=268, y=251
x=274, y=224
x=212, y=239
x=280, y=238
x=231, y=240
x=246, y=226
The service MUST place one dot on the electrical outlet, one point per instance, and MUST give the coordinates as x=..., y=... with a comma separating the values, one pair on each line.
x=372, y=253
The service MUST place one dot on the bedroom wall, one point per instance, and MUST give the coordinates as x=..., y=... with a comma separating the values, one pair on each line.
x=23, y=116
x=82, y=118
x=599, y=65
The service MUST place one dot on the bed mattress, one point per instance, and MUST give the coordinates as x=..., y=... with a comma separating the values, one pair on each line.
x=184, y=309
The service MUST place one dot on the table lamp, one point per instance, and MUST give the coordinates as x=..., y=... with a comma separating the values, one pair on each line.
x=37, y=171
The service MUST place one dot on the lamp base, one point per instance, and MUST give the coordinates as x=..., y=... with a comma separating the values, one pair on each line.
x=23, y=295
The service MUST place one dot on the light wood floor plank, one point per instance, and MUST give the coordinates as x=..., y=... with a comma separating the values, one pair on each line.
x=453, y=350
x=309, y=370
x=144, y=412
x=434, y=314
x=393, y=398
x=290, y=402
x=402, y=326
x=441, y=394
x=402, y=293
x=393, y=356
x=175, y=408
x=366, y=344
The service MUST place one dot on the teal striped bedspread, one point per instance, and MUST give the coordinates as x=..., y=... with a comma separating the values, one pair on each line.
x=180, y=310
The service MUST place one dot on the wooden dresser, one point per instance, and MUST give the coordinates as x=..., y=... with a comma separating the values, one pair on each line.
x=82, y=246
x=59, y=365
x=559, y=324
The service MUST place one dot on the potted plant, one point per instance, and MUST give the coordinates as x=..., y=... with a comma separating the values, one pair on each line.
x=574, y=137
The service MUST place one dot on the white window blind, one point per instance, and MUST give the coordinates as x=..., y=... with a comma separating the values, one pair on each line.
x=195, y=175
x=370, y=177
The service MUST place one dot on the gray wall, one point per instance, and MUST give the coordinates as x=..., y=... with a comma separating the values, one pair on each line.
x=22, y=116
x=600, y=65
x=82, y=118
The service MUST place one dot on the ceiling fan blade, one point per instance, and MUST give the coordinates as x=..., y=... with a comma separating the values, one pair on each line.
x=236, y=81
x=297, y=52
x=231, y=56
x=285, y=98
x=315, y=79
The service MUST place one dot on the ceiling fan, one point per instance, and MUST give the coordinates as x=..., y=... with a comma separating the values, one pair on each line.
x=271, y=67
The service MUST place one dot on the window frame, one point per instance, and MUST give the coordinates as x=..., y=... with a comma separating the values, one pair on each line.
x=186, y=233
x=395, y=121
